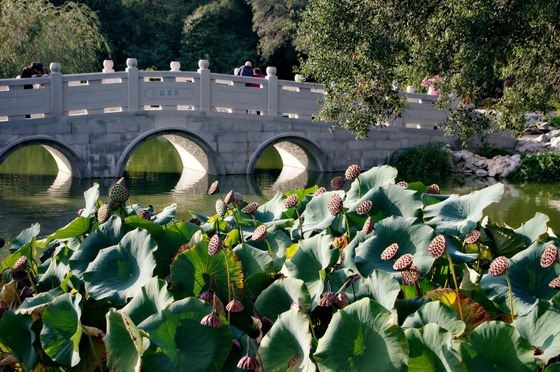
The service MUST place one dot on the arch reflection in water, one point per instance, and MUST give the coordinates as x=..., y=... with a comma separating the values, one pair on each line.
x=61, y=185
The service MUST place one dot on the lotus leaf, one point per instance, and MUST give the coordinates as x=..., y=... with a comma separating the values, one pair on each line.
x=280, y=296
x=91, y=196
x=532, y=229
x=119, y=271
x=379, y=286
x=124, y=342
x=287, y=346
x=498, y=345
x=151, y=299
x=370, y=179
x=17, y=335
x=254, y=260
x=364, y=335
x=62, y=329
x=438, y=313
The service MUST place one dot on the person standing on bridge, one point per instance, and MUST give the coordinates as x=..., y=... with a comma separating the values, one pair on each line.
x=246, y=70
x=33, y=70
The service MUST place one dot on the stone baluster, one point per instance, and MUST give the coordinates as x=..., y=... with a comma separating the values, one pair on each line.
x=204, y=84
x=272, y=91
x=56, y=89
x=133, y=85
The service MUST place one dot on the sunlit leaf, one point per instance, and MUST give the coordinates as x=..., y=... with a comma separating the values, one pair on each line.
x=280, y=296
x=532, y=229
x=430, y=350
x=152, y=298
x=438, y=313
x=91, y=196
x=125, y=344
x=379, y=286
x=360, y=337
x=370, y=179
x=166, y=215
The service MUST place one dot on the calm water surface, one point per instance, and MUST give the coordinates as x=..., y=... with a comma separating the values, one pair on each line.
x=31, y=190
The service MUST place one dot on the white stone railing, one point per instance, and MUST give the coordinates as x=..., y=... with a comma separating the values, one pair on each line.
x=135, y=90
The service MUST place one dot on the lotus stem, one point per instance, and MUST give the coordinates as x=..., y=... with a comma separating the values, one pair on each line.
x=300, y=226
x=510, y=297
x=228, y=281
x=347, y=224
x=269, y=247
x=452, y=269
x=359, y=187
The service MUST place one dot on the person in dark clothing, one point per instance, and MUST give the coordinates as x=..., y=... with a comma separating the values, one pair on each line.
x=246, y=70
x=34, y=69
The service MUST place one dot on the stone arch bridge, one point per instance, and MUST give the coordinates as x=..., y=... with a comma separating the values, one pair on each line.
x=220, y=124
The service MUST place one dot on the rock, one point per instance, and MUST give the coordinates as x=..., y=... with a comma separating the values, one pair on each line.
x=481, y=173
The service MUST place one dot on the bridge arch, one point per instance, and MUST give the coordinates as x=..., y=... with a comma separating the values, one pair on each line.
x=295, y=151
x=66, y=159
x=195, y=153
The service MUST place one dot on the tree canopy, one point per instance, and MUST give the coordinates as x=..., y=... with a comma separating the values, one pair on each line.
x=499, y=55
x=40, y=31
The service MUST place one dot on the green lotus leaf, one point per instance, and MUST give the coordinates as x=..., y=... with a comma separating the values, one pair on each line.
x=25, y=237
x=125, y=344
x=529, y=281
x=360, y=337
x=62, y=329
x=271, y=210
x=473, y=313
x=379, y=286
x=438, y=313
x=457, y=215
x=431, y=350
x=39, y=302
x=504, y=241
x=390, y=200
x=254, y=260
x=541, y=327
x=457, y=256
x=108, y=234
x=119, y=271
x=137, y=222
x=277, y=241
x=169, y=241
x=54, y=270
x=16, y=334
x=152, y=298
x=180, y=343
x=195, y=271
x=316, y=216
x=499, y=345
x=91, y=196
x=166, y=215
x=310, y=263
x=412, y=237
x=280, y=296
x=78, y=227
x=553, y=367
x=287, y=345
x=532, y=229
x=370, y=179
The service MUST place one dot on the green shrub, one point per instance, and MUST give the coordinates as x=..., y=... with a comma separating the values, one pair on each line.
x=540, y=167
x=427, y=163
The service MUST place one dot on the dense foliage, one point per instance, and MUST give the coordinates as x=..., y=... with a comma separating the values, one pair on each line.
x=374, y=273
x=423, y=163
x=499, y=55
x=538, y=167
x=39, y=31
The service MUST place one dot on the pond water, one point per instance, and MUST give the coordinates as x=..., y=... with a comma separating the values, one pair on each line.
x=31, y=190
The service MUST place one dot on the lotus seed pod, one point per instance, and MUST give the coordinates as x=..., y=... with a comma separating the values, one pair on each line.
x=402, y=184
x=335, y=204
x=291, y=201
x=250, y=208
x=220, y=207
x=103, y=213
x=229, y=197
x=215, y=245
x=214, y=188
x=433, y=189
x=18, y=272
x=390, y=252
x=237, y=198
x=368, y=226
x=211, y=320
x=403, y=263
x=118, y=192
x=352, y=172
x=549, y=256
x=499, y=266
x=207, y=296
x=145, y=214
x=437, y=247
x=472, y=237
x=411, y=275
x=338, y=183
x=555, y=283
x=248, y=363
x=113, y=205
x=259, y=233
x=235, y=306
x=319, y=191
x=364, y=207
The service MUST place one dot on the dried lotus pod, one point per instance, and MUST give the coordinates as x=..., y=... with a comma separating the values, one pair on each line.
x=221, y=207
x=334, y=204
x=390, y=252
x=437, y=247
x=338, y=183
x=215, y=245
x=291, y=201
x=229, y=197
x=368, y=226
x=103, y=213
x=250, y=208
x=402, y=184
x=433, y=189
x=555, y=283
x=259, y=233
x=411, y=275
x=319, y=191
x=403, y=263
x=364, y=207
x=499, y=266
x=352, y=172
x=214, y=188
x=472, y=237
x=549, y=256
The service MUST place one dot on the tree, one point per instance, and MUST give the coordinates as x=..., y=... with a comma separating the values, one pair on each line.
x=39, y=31
x=221, y=33
x=498, y=55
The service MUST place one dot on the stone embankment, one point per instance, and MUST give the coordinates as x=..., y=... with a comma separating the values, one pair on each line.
x=502, y=166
